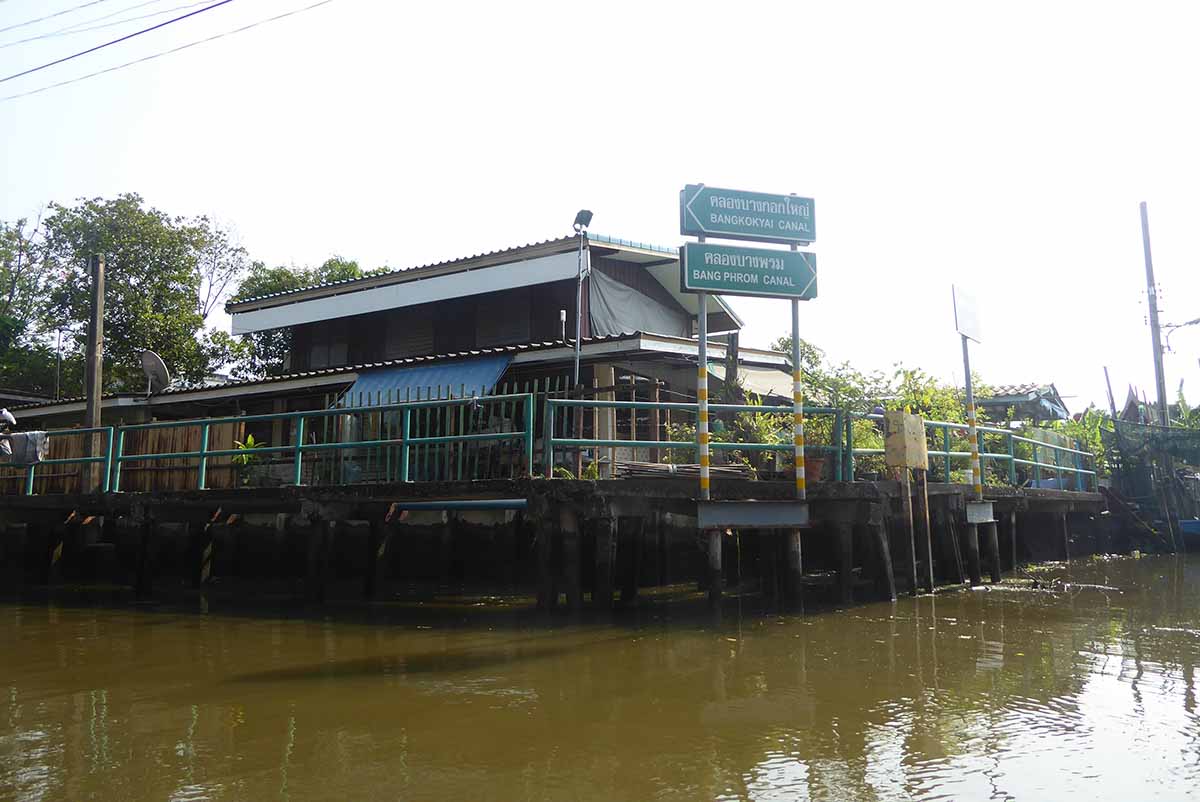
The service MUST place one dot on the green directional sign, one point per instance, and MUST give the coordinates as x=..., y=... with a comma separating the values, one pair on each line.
x=762, y=272
x=733, y=214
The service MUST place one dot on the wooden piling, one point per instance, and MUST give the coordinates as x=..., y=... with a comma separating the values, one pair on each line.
x=631, y=563
x=606, y=552
x=547, y=586
x=59, y=537
x=951, y=537
x=14, y=550
x=906, y=516
x=880, y=536
x=377, y=560
x=144, y=583
x=924, y=532
x=572, y=567
x=795, y=569
x=844, y=531
x=991, y=534
x=768, y=560
x=715, y=577
x=1012, y=537
x=205, y=551
x=1066, y=536
x=973, y=564
x=320, y=535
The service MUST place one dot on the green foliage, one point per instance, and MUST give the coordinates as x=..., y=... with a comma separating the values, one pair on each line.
x=26, y=358
x=247, y=459
x=591, y=472
x=1187, y=416
x=151, y=284
x=220, y=262
x=1086, y=433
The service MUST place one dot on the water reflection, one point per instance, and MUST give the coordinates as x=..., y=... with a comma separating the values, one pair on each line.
x=1015, y=693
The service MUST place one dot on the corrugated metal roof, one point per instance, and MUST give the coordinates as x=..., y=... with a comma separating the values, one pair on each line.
x=597, y=238
x=461, y=378
x=412, y=360
x=1007, y=390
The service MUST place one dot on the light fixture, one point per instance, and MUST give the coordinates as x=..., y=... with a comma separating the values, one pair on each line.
x=583, y=219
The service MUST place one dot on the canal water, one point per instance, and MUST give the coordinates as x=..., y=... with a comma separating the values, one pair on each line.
x=1081, y=687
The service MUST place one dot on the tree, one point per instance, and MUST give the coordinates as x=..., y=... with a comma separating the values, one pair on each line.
x=26, y=360
x=220, y=263
x=152, y=283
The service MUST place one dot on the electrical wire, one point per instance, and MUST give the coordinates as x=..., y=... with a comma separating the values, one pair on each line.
x=76, y=27
x=52, y=16
x=218, y=4
x=109, y=15
x=162, y=53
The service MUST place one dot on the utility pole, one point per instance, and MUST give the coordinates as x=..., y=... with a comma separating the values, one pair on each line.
x=94, y=366
x=1155, y=333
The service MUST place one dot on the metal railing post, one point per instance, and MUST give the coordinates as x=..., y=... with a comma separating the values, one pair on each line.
x=982, y=452
x=298, y=459
x=1012, y=460
x=548, y=438
x=116, y=471
x=835, y=440
x=529, y=435
x=1078, y=475
x=1037, y=465
x=108, y=455
x=946, y=449
x=849, y=446
x=405, y=416
x=202, y=470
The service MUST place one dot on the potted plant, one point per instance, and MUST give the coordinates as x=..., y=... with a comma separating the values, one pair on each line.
x=247, y=464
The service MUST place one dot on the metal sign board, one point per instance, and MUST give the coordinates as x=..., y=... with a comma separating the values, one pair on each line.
x=966, y=315
x=733, y=214
x=758, y=272
x=980, y=512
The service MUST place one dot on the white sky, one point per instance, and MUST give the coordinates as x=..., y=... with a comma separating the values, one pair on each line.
x=1005, y=147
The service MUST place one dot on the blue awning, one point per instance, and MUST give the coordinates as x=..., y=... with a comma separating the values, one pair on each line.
x=461, y=378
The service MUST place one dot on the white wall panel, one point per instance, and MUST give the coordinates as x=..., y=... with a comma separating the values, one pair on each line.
x=394, y=296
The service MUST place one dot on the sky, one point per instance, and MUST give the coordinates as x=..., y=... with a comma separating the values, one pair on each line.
x=1002, y=147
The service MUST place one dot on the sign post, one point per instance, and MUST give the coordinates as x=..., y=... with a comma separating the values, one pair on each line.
x=757, y=272
x=966, y=320
x=979, y=512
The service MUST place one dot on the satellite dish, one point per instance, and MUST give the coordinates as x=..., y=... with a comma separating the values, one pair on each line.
x=7, y=418
x=157, y=375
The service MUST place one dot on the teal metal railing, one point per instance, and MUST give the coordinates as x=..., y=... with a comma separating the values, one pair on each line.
x=397, y=421
x=1083, y=478
x=432, y=439
x=105, y=459
x=551, y=442
x=842, y=441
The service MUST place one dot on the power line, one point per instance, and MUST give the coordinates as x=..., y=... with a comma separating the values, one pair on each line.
x=73, y=29
x=115, y=41
x=52, y=16
x=109, y=15
x=165, y=52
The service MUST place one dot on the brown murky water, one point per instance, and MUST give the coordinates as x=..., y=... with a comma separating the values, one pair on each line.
x=1083, y=692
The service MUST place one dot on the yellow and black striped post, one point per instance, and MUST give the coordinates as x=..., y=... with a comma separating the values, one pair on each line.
x=798, y=406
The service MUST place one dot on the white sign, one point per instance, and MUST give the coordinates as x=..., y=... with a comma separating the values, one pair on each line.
x=966, y=315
